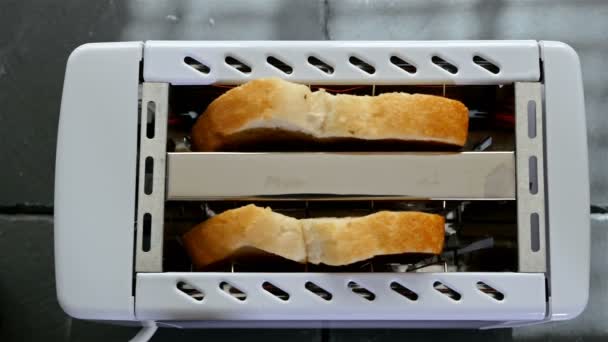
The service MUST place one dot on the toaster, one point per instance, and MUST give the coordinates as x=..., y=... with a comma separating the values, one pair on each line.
x=515, y=198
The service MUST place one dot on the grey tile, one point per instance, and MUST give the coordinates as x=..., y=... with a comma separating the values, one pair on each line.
x=35, y=40
x=582, y=24
x=381, y=335
x=224, y=20
x=28, y=306
x=228, y=335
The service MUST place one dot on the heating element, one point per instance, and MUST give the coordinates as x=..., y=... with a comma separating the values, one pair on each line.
x=515, y=198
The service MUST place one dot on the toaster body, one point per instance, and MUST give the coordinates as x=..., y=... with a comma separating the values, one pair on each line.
x=516, y=198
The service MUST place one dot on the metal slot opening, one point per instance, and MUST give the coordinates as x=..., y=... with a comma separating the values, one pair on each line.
x=484, y=63
x=531, y=119
x=319, y=291
x=490, y=291
x=275, y=291
x=233, y=291
x=151, y=120
x=480, y=236
x=279, y=64
x=445, y=65
x=190, y=291
x=533, y=174
x=196, y=65
x=491, y=115
x=238, y=65
x=361, y=64
x=447, y=291
x=319, y=64
x=361, y=291
x=149, y=175
x=534, y=232
x=404, y=291
x=147, y=233
x=403, y=65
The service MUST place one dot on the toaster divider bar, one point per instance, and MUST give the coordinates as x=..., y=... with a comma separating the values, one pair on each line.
x=529, y=143
x=151, y=180
x=422, y=175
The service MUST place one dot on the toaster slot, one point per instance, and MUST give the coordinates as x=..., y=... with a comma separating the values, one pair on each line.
x=498, y=172
x=480, y=236
x=491, y=116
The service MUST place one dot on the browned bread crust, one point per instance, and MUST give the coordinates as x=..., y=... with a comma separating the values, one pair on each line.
x=273, y=110
x=331, y=241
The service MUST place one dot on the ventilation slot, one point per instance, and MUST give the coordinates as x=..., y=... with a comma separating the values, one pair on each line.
x=233, y=291
x=443, y=289
x=484, y=63
x=147, y=233
x=404, y=291
x=361, y=291
x=534, y=232
x=490, y=291
x=445, y=65
x=150, y=120
x=148, y=175
x=531, y=119
x=275, y=291
x=403, y=65
x=533, y=175
x=319, y=291
x=196, y=65
x=238, y=65
x=190, y=291
x=319, y=64
x=279, y=64
x=366, y=67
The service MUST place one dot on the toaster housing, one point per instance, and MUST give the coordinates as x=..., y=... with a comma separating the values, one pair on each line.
x=516, y=198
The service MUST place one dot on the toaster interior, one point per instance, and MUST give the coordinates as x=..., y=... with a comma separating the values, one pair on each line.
x=481, y=235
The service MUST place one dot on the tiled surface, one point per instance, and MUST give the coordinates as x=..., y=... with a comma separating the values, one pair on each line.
x=36, y=37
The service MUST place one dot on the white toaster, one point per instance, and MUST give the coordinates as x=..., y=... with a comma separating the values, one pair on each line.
x=516, y=198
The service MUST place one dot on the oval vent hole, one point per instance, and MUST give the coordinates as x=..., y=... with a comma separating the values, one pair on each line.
x=275, y=291
x=319, y=64
x=445, y=65
x=403, y=65
x=366, y=67
x=148, y=175
x=146, y=237
x=486, y=64
x=233, y=291
x=445, y=290
x=190, y=291
x=238, y=65
x=150, y=119
x=279, y=64
x=319, y=291
x=404, y=291
x=197, y=65
x=361, y=291
x=490, y=291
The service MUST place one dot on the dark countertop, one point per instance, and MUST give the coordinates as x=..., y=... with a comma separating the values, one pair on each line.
x=37, y=36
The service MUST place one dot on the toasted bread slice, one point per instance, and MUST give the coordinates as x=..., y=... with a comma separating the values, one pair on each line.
x=272, y=111
x=331, y=241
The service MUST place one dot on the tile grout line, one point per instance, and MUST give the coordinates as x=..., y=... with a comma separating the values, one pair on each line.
x=325, y=19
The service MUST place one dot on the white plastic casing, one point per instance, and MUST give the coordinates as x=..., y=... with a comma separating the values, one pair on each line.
x=567, y=177
x=95, y=181
x=97, y=153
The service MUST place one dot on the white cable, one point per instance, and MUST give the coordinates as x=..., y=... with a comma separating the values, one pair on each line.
x=146, y=332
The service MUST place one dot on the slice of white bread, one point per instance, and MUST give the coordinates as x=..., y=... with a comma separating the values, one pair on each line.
x=331, y=241
x=276, y=111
